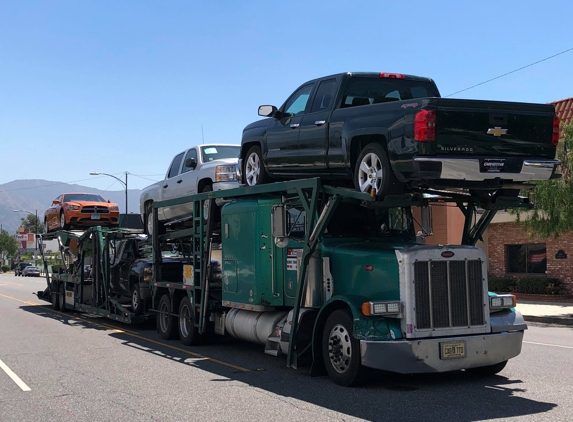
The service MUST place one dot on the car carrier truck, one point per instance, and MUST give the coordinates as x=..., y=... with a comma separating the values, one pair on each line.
x=325, y=276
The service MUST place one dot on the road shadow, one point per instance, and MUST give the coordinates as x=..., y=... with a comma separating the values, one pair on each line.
x=457, y=396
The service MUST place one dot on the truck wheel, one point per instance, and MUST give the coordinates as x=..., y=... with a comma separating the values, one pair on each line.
x=254, y=169
x=46, y=229
x=341, y=351
x=165, y=321
x=187, y=330
x=136, y=302
x=62, y=297
x=55, y=297
x=487, y=371
x=373, y=172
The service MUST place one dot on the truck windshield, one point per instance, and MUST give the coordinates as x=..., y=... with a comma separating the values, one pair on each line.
x=350, y=220
x=211, y=153
x=365, y=91
x=83, y=197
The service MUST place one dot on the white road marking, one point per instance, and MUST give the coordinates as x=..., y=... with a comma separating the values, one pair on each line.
x=14, y=377
x=546, y=344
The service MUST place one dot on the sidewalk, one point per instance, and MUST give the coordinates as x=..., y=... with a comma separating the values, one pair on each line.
x=546, y=312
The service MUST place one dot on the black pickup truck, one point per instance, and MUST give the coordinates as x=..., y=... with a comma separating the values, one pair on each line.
x=385, y=131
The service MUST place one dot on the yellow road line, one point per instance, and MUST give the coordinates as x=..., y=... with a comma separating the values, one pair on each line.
x=133, y=334
x=20, y=300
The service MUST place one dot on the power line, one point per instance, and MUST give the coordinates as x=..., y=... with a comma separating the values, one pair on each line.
x=513, y=71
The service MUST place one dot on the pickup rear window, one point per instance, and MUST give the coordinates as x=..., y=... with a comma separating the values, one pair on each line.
x=364, y=91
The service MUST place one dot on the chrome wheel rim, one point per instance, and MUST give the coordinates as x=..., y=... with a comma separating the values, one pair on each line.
x=150, y=224
x=339, y=348
x=163, y=317
x=185, y=320
x=253, y=169
x=370, y=174
x=62, y=220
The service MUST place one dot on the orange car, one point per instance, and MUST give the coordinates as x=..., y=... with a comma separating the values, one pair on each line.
x=80, y=209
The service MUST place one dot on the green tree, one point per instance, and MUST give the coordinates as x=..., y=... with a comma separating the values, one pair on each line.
x=8, y=244
x=552, y=212
x=33, y=224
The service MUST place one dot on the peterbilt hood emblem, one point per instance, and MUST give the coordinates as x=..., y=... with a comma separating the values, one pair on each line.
x=496, y=131
x=448, y=254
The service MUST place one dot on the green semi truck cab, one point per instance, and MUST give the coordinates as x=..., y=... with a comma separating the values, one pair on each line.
x=337, y=279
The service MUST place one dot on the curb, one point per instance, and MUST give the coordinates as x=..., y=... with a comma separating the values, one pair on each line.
x=549, y=320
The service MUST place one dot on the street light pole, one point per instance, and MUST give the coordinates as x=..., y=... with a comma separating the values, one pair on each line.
x=95, y=173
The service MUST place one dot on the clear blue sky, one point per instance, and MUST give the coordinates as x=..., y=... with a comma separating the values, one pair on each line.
x=123, y=85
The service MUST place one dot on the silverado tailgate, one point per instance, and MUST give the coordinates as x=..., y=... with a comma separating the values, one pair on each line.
x=515, y=129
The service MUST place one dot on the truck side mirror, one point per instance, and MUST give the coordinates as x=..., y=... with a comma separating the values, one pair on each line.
x=55, y=202
x=190, y=163
x=278, y=221
x=267, y=111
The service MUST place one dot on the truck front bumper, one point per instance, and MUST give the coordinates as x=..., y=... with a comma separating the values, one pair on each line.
x=420, y=356
x=470, y=169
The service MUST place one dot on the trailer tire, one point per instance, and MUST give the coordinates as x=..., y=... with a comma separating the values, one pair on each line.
x=341, y=351
x=165, y=321
x=136, y=301
x=487, y=371
x=187, y=331
x=55, y=296
x=62, y=297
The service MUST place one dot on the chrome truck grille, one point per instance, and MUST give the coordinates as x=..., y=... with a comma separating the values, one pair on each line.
x=448, y=294
x=444, y=290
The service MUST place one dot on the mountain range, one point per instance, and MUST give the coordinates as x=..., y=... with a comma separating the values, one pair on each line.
x=36, y=195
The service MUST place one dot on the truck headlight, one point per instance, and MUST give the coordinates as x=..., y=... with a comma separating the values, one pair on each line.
x=226, y=173
x=382, y=308
x=72, y=207
x=114, y=208
x=502, y=302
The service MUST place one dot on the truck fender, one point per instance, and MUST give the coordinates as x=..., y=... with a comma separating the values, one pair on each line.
x=364, y=328
x=333, y=304
x=254, y=136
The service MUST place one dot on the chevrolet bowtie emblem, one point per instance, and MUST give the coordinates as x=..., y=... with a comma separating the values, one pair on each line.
x=496, y=131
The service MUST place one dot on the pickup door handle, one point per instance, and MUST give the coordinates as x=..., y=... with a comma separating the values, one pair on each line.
x=320, y=122
x=165, y=186
x=180, y=180
x=294, y=125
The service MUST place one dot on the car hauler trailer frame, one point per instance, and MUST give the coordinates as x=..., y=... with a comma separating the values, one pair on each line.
x=342, y=302
x=70, y=287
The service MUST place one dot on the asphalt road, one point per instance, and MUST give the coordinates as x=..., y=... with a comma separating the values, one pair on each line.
x=68, y=366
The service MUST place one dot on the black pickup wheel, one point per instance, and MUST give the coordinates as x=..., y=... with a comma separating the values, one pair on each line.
x=253, y=168
x=373, y=172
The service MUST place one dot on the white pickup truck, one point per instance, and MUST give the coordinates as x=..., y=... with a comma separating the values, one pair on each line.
x=198, y=169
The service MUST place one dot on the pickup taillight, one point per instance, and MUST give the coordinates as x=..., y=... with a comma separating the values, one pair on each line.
x=425, y=126
x=555, y=134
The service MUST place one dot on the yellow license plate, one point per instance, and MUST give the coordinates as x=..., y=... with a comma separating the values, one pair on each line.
x=453, y=350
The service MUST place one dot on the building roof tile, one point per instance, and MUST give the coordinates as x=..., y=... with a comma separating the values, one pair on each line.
x=564, y=109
